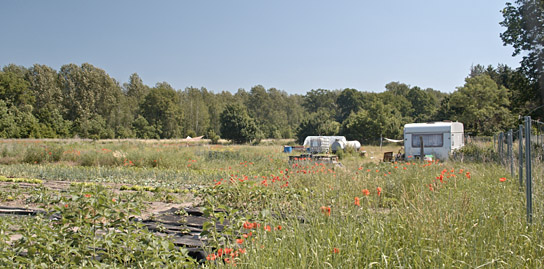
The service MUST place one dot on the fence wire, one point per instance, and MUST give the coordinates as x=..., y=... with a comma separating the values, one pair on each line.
x=521, y=152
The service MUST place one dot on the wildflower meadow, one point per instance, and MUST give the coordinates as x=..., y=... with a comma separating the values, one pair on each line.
x=262, y=211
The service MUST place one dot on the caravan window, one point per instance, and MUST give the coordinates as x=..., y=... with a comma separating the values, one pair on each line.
x=429, y=140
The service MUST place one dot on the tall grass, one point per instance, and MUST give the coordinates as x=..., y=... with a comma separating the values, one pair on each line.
x=452, y=214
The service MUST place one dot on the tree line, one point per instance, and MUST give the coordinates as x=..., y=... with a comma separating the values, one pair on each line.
x=84, y=101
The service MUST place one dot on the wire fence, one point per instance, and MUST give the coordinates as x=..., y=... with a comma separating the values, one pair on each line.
x=521, y=152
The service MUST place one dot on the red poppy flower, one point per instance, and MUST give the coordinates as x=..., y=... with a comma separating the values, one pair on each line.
x=366, y=192
x=335, y=251
x=240, y=241
x=326, y=210
x=357, y=202
x=211, y=257
x=502, y=179
x=379, y=191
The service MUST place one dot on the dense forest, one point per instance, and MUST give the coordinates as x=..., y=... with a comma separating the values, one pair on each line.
x=84, y=101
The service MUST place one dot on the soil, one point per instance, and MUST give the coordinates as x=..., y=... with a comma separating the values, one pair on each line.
x=153, y=208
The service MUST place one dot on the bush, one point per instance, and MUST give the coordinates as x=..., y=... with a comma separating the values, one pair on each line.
x=35, y=154
x=191, y=133
x=55, y=153
x=213, y=137
x=340, y=154
x=475, y=153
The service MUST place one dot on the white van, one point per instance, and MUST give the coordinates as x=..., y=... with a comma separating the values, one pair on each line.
x=439, y=139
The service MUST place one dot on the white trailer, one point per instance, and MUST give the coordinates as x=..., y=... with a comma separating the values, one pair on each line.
x=440, y=139
x=321, y=144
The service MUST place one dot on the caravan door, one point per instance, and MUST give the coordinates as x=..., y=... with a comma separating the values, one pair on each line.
x=407, y=145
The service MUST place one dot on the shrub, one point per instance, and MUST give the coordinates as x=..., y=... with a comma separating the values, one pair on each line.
x=340, y=154
x=35, y=154
x=475, y=153
x=213, y=137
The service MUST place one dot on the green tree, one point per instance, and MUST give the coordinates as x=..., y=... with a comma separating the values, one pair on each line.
x=482, y=106
x=524, y=22
x=142, y=129
x=523, y=92
x=361, y=127
x=14, y=89
x=94, y=128
x=269, y=109
x=18, y=123
x=295, y=114
x=161, y=109
x=397, y=102
x=136, y=89
x=8, y=124
x=195, y=110
x=237, y=125
x=320, y=98
x=423, y=104
x=397, y=88
x=368, y=126
x=349, y=100
x=216, y=104
x=89, y=92
x=48, y=109
x=135, y=92
x=317, y=123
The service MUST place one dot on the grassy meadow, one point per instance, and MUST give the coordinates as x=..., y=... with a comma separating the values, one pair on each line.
x=363, y=214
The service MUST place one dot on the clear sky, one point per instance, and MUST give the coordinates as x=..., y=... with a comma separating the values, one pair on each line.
x=294, y=46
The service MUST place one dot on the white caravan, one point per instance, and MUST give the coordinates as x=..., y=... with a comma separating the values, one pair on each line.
x=321, y=144
x=439, y=139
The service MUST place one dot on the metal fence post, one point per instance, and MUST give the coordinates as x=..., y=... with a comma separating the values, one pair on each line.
x=494, y=139
x=500, y=147
x=520, y=155
x=511, y=152
x=528, y=182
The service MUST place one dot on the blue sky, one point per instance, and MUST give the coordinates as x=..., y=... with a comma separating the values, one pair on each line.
x=294, y=46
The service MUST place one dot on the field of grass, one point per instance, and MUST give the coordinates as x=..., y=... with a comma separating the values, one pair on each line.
x=365, y=213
